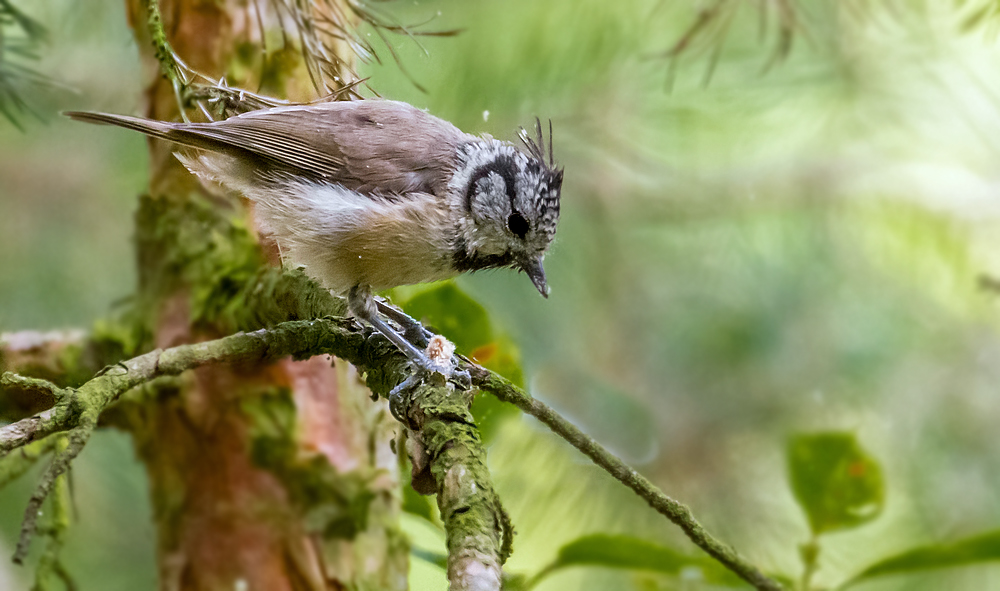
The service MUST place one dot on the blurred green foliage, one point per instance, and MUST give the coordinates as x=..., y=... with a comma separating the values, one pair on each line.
x=979, y=549
x=838, y=485
x=20, y=38
x=785, y=249
x=619, y=551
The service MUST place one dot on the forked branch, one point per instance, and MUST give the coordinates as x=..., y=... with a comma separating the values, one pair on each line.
x=437, y=416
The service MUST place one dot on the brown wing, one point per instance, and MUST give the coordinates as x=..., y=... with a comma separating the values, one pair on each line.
x=370, y=146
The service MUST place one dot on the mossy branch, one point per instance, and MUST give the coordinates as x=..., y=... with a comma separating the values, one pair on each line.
x=54, y=476
x=50, y=573
x=479, y=532
x=299, y=339
x=478, y=529
x=77, y=410
x=449, y=460
x=164, y=53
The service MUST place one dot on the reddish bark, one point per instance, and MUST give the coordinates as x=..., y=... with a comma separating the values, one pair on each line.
x=225, y=522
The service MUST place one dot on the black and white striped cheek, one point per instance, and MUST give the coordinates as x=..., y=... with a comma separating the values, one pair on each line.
x=548, y=203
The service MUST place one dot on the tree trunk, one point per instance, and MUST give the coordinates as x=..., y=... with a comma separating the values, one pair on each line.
x=272, y=478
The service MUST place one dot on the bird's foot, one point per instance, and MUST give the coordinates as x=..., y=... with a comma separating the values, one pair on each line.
x=437, y=365
x=432, y=357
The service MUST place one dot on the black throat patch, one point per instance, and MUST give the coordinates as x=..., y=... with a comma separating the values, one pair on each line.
x=463, y=262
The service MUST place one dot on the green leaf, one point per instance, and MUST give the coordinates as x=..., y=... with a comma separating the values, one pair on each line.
x=976, y=549
x=502, y=356
x=627, y=552
x=448, y=309
x=836, y=482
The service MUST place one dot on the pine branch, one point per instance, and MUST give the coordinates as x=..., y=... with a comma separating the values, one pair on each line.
x=20, y=36
x=710, y=27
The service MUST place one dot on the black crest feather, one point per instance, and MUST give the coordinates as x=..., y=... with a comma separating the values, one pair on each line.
x=536, y=145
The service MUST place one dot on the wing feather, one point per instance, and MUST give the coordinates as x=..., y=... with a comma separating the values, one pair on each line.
x=371, y=146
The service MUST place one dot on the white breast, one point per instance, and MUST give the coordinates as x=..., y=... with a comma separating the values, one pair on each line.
x=344, y=239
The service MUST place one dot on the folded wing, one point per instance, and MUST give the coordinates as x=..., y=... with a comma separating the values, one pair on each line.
x=372, y=146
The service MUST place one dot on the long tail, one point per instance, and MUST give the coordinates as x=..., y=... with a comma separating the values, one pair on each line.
x=157, y=129
x=191, y=135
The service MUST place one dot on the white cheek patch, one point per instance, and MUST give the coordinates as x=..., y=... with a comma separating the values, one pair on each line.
x=490, y=200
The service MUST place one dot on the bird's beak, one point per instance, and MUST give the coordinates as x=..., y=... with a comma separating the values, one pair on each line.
x=536, y=273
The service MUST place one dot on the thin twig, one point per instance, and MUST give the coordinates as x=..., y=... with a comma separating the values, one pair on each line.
x=78, y=438
x=673, y=510
x=50, y=566
x=98, y=393
x=170, y=65
x=37, y=385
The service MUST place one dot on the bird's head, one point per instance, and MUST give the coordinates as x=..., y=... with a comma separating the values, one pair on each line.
x=509, y=206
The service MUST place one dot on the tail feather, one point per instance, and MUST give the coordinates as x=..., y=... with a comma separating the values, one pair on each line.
x=157, y=129
x=179, y=133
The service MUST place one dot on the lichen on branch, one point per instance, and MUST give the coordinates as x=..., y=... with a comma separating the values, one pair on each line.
x=447, y=453
x=449, y=460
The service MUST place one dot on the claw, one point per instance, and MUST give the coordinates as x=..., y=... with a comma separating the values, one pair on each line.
x=462, y=378
x=433, y=359
x=397, y=401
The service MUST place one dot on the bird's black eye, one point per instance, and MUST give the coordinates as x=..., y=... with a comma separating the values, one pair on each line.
x=517, y=225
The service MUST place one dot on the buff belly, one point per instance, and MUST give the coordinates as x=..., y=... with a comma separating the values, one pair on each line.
x=345, y=239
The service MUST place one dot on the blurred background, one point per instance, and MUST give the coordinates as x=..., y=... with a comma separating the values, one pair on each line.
x=755, y=242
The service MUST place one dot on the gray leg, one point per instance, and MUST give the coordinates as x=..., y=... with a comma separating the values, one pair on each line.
x=361, y=303
x=412, y=330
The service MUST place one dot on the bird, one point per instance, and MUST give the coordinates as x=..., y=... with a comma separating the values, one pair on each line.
x=371, y=194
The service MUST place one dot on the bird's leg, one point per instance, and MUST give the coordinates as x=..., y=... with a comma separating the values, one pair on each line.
x=361, y=303
x=413, y=331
